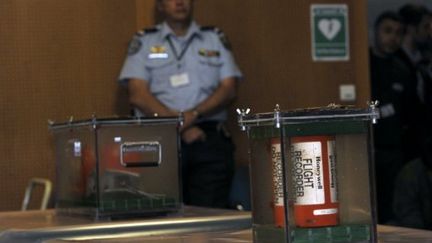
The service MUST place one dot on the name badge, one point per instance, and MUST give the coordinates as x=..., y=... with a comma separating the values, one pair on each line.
x=157, y=52
x=158, y=55
x=179, y=80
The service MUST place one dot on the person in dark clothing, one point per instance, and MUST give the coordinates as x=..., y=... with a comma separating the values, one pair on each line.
x=389, y=79
x=425, y=66
x=413, y=192
x=417, y=21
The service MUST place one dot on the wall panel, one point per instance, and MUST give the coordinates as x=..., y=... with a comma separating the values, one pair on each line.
x=272, y=44
x=61, y=58
x=57, y=59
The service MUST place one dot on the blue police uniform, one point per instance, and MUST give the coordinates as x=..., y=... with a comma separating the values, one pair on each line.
x=183, y=71
x=160, y=57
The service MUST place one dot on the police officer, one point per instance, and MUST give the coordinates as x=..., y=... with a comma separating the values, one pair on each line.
x=179, y=66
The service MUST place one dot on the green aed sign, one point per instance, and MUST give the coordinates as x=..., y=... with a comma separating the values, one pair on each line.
x=330, y=36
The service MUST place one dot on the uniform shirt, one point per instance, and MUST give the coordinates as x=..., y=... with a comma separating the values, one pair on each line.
x=184, y=77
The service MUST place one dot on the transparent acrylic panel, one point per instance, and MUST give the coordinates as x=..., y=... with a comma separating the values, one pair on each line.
x=350, y=171
x=263, y=172
x=353, y=170
x=138, y=169
x=117, y=167
x=75, y=158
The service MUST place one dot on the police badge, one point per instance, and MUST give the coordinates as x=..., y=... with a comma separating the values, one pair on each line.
x=134, y=46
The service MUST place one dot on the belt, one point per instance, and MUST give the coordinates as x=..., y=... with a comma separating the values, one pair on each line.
x=210, y=125
x=214, y=126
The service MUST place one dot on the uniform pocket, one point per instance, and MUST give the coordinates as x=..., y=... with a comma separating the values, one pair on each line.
x=209, y=62
x=209, y=71
x=160, y=71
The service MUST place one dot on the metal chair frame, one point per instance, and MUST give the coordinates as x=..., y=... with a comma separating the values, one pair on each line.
x=28, y=193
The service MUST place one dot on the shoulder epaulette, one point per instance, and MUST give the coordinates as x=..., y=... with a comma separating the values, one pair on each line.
x=151, y=30
x=147, y=31
x=220, y=33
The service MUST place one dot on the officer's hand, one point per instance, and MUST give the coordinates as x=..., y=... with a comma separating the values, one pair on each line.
x=193, y=134
x=189, y=119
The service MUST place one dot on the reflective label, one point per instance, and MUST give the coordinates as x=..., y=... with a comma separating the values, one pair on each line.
x=77, y=149
x=277, y=174
x=326, y=211
x=332, y=170
x=308, y=173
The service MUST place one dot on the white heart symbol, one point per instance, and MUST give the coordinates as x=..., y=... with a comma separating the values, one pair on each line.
x=329, y=27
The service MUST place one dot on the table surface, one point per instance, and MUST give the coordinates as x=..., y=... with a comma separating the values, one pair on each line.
x=44, y=226
x=196, y=225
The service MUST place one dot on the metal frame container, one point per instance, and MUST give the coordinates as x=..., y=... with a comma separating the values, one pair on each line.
x=121, y=167
x=343, y=138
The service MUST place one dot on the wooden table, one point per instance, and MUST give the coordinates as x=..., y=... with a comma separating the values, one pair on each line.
x=197, y=225
x=46, y=226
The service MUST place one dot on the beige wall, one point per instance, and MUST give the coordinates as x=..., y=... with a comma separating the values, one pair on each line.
x=272, y=43
x=57, y=59
x=61, y=58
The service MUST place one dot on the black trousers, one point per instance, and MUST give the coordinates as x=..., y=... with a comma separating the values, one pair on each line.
x=388, y=163
x=207, y=168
